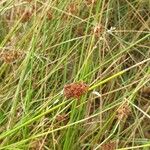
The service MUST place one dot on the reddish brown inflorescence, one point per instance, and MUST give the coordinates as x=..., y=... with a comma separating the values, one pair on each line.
x=75, y=90
x=26, y=16
x=109, y=146
x=123, y=111
x=97, y=30
x=61, y=118
x=145, y=92
x=72, y=8
x=10, y=56
x=49, y=15
x=90, y=2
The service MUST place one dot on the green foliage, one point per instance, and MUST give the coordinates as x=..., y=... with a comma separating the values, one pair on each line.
x=47, y=44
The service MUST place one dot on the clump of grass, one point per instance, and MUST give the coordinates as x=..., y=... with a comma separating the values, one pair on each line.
x=57, y=44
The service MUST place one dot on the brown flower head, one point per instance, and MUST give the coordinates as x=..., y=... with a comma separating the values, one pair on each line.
x=145, y=92
x=72, y=8
x=10, y=56
x=79, y=31
x=97, y=30
x=75, y=90
x=49, y=15
x=62, y=117
x=109, y=146
x=123, y=111
x=90, y=2
x=26, y=16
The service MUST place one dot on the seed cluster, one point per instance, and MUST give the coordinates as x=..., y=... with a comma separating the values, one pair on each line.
x=145, y=92
x=26, y=16
x=61, y=118
x=75, y=90
x=10, y=56
x=97, y=30
x=123, y=111
x=79, y=31
x=72, y=8
x=90, y=2
x=109, y=146
x=49, y=15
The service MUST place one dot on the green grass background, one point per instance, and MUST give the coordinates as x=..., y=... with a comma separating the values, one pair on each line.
x=64, y=49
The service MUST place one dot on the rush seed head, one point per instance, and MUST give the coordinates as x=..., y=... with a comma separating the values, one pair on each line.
x=49, y=15
x=61, y=118
x=109, y=146
x=145, y=92
x=90, y=2
x=123, y=111
x=97, y=30
x=72, y=8
x=10, y=56
x=79, y=31
x=26, y=16
x=75, y=90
